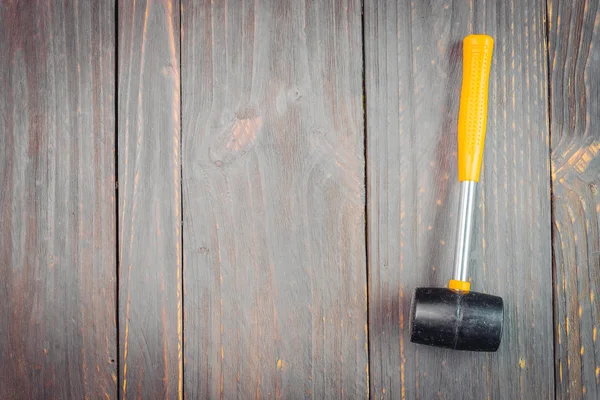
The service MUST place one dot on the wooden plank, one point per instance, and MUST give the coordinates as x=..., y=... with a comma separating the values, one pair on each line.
x=574, y=51
x=273, y=169
x=150, y=259
x=57, y=206
x=413, y=78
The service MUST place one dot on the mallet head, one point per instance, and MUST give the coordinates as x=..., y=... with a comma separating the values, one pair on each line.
x=456, y=320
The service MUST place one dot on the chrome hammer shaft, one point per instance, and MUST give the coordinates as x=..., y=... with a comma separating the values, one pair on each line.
x=466, y=204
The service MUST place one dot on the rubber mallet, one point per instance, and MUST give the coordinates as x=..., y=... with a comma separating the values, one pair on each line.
x=455, y=317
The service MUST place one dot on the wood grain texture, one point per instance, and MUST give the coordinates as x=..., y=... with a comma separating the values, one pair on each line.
x=57, y=206
x=574, y=54
x=273, y=186
x=150, y=259
x=413, y=77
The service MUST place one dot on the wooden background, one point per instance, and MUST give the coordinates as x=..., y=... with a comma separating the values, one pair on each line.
x=236, y=199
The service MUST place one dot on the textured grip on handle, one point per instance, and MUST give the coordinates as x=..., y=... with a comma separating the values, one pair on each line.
x=472, y=117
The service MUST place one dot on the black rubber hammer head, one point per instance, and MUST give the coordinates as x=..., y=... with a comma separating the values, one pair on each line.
x=456, y=320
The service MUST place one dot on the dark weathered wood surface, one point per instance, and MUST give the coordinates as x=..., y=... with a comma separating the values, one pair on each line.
x=413, y=77
x=273, y=186
x=574, y=55
x=57, y=207
x=150, y=258
x=272, y=249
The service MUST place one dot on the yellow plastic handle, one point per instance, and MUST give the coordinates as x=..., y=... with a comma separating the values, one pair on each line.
x=472, y=117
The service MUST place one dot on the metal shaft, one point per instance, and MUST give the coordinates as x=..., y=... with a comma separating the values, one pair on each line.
x=464, y=229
